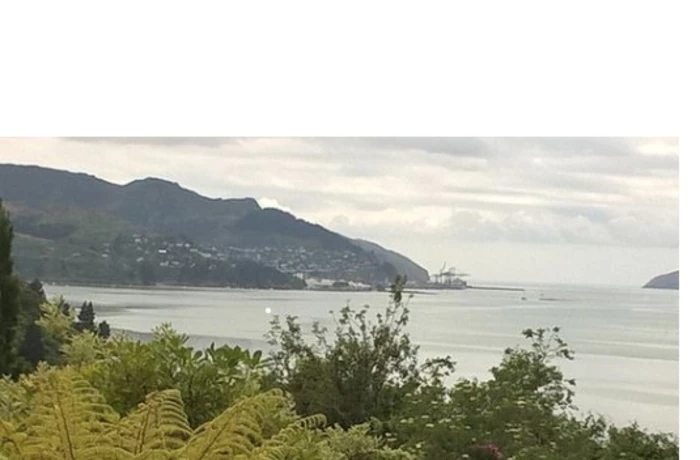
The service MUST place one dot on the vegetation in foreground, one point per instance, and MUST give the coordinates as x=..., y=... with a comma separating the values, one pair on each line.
x=74, y=391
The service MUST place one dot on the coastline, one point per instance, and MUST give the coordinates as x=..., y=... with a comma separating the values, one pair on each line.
x=185, y=287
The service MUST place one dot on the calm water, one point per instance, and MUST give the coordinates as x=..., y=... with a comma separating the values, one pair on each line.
x=625, y=339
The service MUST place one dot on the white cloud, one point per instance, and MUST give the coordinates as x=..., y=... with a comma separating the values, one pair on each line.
x=265, y=202
x=425, y=196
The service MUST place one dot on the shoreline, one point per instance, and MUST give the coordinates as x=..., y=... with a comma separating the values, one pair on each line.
x=496, y=288
x=185, y=287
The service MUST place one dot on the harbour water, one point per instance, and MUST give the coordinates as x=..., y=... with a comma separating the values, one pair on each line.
x=625, y=339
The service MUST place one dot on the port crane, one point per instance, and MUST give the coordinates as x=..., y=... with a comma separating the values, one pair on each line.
x=448, y=277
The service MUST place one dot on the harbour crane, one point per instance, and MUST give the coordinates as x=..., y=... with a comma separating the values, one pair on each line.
x=451, y=276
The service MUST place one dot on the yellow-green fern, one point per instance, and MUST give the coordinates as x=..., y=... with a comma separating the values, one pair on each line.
x=14, y=403
x=61, y=417
x=157, y=427
x=10, y=439
x=299, y=441
x=237, y=431
x=68, y=420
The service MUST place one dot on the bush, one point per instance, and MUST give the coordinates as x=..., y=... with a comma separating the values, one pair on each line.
x=525, y=411
x=365, y=373
x=366, y=378
x=125, y=371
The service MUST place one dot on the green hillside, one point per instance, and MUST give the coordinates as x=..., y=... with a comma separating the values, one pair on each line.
x=68, y=225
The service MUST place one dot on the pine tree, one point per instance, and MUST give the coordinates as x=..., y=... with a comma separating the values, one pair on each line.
x=9, y=295
x=86, y=318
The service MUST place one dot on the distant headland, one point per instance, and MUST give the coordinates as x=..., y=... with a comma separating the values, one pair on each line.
x=666, y=281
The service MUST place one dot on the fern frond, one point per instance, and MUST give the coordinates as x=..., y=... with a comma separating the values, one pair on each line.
x=157, y=455
x=69, y=420
x=14, y=401
x=237, y=431
x=158, y=424
x=312, y=422
x=358, y=442
x=10, y=440
x=297, y=440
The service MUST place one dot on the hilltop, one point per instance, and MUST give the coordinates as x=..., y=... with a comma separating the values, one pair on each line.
x=665, y=281
x=74, y=227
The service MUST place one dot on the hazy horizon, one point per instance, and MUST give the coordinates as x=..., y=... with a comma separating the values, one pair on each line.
x=599, y=211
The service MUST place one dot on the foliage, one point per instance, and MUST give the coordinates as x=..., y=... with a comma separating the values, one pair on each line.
x=68, y=416
x=357, y=443
x=83, y=349
x=56, y=321
x=366, y=372
x=13, y=399
x=27, y=334
x=46, y=329
x=65, y=418
x=9, y=296
x=30, y=340
x=121, y=398
x=634, y=443
x=126, y=371
x=160, y=425
x=370, y=373
x=86, y=321
x=86, y=318
x=103, y=329
x=525, y=411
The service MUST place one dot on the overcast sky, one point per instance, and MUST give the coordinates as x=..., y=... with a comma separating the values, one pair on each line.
x=560, y=210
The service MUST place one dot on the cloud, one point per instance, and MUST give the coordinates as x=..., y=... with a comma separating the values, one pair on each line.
x=165, y=141
x=265, y=203
x=415, y=193
x=568, y=225
x=466, y=146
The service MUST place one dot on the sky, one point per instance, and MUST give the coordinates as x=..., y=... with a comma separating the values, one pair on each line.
x=530, y=210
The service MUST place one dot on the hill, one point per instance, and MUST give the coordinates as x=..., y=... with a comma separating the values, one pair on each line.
x=666, y=281
x=403, y=264
x=79, y=228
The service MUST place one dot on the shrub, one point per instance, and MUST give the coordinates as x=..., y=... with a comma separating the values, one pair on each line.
x=367, y=370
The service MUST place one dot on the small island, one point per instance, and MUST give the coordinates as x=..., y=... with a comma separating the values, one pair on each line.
x=666, y=281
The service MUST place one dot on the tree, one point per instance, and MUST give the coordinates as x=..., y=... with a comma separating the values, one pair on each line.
x=9, y=296
x=31, y=344
x=103, y=330
x=57, y=325
x=366, y=372
x=86, y=318
x=524, y=411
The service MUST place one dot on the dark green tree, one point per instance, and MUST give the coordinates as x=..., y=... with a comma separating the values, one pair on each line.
x=86, y=321
x=103, y=329
x=86, y=318
x=31, y=347
x=9, y=296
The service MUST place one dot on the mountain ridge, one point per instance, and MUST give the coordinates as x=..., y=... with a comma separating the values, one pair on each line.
x=69, y=216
